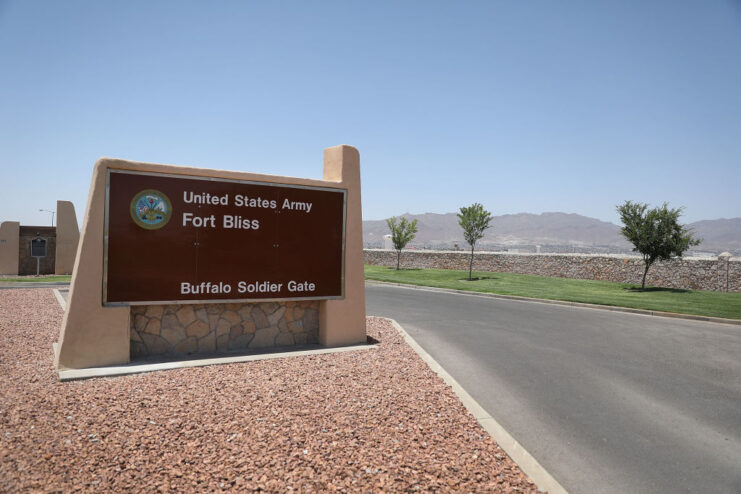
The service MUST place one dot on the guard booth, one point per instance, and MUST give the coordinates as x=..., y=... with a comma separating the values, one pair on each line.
x=38, y=251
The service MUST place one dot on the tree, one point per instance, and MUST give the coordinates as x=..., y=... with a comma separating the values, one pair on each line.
x=655, y=233
x=401, y=234
x=474, y=220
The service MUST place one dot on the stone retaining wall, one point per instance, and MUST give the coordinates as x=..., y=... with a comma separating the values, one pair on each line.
x=721, y=274
x=178, y=330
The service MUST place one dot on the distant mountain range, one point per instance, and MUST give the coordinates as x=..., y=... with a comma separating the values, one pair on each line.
x=554, y=232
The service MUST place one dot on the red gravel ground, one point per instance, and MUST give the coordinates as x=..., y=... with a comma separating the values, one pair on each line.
x=368, y=421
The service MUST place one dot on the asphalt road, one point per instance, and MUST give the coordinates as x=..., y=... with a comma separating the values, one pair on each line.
x=607, y=402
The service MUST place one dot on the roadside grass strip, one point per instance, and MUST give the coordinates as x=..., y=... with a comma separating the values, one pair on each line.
x=37, y=279
x=696, y=302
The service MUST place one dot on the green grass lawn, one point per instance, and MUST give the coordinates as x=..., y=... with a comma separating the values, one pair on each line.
x=39, y=279
x=699, y=302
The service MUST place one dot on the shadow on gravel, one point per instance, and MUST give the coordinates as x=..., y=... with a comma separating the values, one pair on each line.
x=655, y=289
x=159, y=359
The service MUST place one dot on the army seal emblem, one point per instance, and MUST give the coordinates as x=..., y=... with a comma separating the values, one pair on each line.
x=151, y=209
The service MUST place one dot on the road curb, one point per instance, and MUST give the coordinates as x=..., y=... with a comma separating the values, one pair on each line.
x=645, y=312
x=140, y=368
x=529, y=465
x=60, y=299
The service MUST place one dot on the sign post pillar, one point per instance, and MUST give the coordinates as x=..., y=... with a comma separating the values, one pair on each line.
x=342, y=322
x=92, y=335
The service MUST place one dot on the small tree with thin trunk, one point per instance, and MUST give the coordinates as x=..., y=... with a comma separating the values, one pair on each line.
x=402, y=233
x=655, y=233
x=474, y=220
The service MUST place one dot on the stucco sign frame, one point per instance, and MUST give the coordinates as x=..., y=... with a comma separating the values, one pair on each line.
x=93, y=334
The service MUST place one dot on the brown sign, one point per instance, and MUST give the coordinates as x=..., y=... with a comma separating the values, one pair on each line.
x=172, y=239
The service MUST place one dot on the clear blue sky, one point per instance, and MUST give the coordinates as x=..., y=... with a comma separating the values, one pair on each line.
x=522, y=106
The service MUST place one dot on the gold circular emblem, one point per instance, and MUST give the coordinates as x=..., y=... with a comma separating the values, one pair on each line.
x=151, y=209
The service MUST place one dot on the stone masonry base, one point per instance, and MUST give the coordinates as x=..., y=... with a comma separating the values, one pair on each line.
x=181, y=330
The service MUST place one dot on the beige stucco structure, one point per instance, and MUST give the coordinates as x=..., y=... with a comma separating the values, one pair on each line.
x=342, y=322
x=68, y=236
x=10, y=232
x=93, y=335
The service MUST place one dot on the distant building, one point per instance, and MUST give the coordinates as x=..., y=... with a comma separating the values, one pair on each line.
x=60, y=242
x=388, y=244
